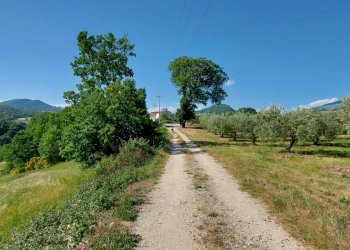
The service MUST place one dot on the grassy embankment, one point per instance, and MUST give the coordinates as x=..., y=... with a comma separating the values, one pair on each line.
x=73, y=207
x=307, y=190
x=25, y=195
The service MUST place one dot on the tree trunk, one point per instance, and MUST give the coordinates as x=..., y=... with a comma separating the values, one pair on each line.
x=291, y=143
x=317, y=142
x=221, y=135
x=254, y=140
x=183, y=124
x=234, y=136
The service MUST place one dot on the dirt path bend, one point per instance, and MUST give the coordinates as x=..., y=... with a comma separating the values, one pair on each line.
x=198, y=205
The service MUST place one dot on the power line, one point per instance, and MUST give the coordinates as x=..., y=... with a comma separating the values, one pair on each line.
x=205, y=13
x=185, y=24
x=173, y=45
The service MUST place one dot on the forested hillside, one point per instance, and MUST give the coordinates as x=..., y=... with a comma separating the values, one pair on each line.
x=216, y=109
x=31, y=105
x=10, y=113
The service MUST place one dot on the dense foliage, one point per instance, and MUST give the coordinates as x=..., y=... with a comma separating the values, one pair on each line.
x=106, y=110
x=9, y=113
x=273, y=124
x=8, y=129
x=198, y=80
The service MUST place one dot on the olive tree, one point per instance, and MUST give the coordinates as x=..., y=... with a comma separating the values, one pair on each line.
x=247, y=125
x=333, y=123
x=271, y=124
x=346, y=108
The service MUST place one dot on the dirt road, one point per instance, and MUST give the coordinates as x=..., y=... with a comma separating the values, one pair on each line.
x=198, y=205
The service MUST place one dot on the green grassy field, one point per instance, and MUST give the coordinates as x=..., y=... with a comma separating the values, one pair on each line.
x=307, y=190
x=24, y=195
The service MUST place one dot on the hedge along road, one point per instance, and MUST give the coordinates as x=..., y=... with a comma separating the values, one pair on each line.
x=198, y=205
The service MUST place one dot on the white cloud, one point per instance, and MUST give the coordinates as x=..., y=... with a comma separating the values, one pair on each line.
x=229, y=82
x=61, y=105
x=318, y=103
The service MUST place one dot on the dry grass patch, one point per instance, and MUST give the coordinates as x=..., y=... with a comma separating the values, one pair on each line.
x=297, y=187
x=340, y=170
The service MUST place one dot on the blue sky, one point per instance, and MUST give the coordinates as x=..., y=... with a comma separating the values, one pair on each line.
x=275, y=52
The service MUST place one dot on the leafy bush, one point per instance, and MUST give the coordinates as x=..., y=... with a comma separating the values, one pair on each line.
x=135, y=152
x=35, y=163
x=49, y=146
x=160, y=137
x=8, y=129
x=14, y=171
x=132, y=153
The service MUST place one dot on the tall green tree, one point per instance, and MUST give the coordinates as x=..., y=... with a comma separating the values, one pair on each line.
x=107, y=108
x=102, y=60
x=198, y=80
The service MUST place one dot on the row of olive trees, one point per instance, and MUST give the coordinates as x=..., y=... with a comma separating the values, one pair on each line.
x=273, y=124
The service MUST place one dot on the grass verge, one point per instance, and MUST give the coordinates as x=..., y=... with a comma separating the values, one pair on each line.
x=25, y=195
x=75, y=223
x=114, y=225
x=299, y=188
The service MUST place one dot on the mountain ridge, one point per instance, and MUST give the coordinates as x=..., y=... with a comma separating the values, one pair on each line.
x=330, y=106
x=216, y=109
x=28, y=104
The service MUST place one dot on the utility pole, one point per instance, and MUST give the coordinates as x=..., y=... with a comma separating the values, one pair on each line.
x=159, y=108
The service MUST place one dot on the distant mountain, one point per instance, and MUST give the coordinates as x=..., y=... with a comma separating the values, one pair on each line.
x=216, y=109
x=330, y=106
x=32, y=105
x=9, y=113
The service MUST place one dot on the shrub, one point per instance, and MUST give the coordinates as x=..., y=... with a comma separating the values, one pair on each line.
x=35, y=163
x=49, y=146
x=14, y=171
x=134, y=153
x=160, y=137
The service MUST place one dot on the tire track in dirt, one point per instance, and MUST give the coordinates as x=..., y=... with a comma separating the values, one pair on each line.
x=168, y=220
x=242, y=222
x=198, y=205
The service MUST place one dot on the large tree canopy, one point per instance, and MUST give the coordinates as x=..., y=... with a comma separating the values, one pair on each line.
x=107, y=109
x=198, y=80
x=101, y=62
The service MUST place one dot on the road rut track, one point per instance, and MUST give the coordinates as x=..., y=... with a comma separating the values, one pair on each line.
x=198, y=205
